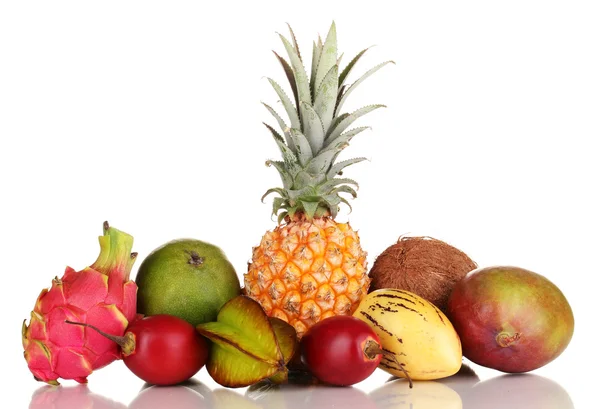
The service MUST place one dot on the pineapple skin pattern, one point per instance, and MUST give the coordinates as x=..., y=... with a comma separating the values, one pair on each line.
x=305, y=271
x=311, y=267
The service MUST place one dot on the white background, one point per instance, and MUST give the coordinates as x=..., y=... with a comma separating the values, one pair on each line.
x=147, y=114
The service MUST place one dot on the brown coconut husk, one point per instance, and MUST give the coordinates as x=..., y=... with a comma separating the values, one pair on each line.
x=422, y=265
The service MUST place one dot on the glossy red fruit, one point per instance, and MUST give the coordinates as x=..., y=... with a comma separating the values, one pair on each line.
x=341, y=350
x=161, y=349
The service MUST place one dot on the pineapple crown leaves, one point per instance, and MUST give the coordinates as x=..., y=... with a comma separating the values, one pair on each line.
x=316, y=130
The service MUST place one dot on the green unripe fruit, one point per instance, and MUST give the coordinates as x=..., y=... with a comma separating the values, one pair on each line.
x=188, y=278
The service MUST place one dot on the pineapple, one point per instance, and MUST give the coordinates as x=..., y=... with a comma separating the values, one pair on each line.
x=310, y=267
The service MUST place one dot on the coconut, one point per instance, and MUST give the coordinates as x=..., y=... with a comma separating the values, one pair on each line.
x=422, y=265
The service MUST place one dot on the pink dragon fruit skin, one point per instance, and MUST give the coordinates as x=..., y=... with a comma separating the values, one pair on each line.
x=101, y=295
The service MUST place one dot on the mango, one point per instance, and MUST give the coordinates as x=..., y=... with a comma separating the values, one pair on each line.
x=510, y=319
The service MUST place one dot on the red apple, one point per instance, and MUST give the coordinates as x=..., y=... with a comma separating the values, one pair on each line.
x=510, y=319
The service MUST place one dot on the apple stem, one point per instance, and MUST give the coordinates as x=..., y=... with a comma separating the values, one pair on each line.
x=372, y=348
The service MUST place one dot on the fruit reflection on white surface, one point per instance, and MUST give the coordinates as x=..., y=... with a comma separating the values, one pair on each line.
x=70, y=397
x=462, y=381
x=189, y=395
x=308, y=397
x=424, y=395
x=463, y=390
x=517, y=391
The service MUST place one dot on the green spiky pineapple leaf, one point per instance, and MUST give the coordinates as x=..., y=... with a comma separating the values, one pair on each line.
x=310, y=208
x=317, y=49
x=336, y=121
x=278, y=203
x=287, y=104
x=300, y=77
x=308, y=180
x=345, y=189
x=326, y=97
x=301, y=145
x=313, y=70
x=289, y=157
x=350, y=66
x=278, y=118
x=330, y=184
x=295, y=42
x=339, y=60
x=318, y=130
x=336, y=169
x=343, y=124
x=296, y=194
x=313, y=127
x=328, y=57
x=278, y=190
x=326, y=157
x=322, y=162
x=289, y=73
x=358, y=82
x=344, y=139
x=286, y=178
x=346, y=202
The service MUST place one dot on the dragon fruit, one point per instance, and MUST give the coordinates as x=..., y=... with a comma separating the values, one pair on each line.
x=101, y=295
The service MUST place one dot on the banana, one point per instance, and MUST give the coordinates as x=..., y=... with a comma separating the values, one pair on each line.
x=413, y=332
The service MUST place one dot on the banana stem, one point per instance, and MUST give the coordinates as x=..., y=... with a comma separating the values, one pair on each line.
x=373, y=348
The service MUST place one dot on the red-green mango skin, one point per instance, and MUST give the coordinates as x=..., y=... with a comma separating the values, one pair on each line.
x=497, y=302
